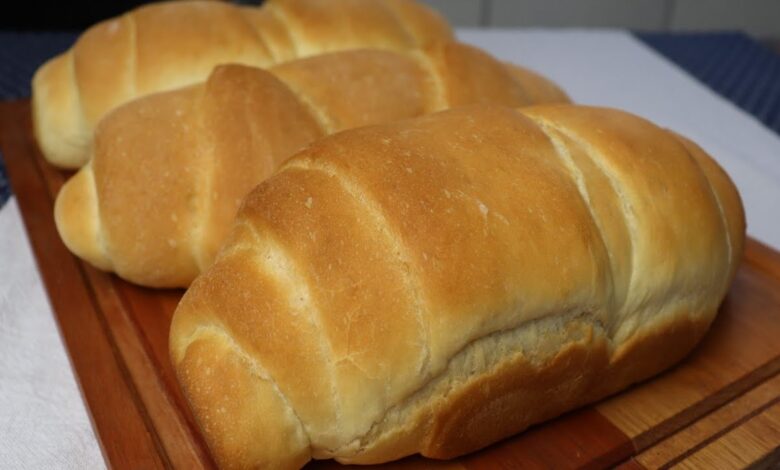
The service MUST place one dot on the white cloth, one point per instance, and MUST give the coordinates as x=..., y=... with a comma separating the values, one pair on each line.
x=43, y=422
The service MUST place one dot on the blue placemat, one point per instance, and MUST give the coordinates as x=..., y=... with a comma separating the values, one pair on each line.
x=5, y=186
x=733, y=64
x=20, y=55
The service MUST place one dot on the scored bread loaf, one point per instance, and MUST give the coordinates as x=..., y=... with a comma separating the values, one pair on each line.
x=436, y=284
x=169, y=171
x=168, y=45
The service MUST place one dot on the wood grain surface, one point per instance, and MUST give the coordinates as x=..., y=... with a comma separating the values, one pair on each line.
x=719, y=408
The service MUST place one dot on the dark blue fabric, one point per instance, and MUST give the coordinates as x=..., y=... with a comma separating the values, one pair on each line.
x=733, y=64
x=5, y=187
x=20, y=55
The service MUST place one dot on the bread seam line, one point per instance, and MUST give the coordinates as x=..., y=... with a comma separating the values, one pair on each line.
x=383, y=225
x=255, y=368
x=279, y=263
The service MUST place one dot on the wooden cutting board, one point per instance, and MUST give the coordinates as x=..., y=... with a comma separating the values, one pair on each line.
x=719, y=408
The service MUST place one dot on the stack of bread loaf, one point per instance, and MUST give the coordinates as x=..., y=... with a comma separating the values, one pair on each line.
x=466, y=255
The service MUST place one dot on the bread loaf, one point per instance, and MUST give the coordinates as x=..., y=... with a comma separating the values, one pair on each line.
x=437, y=284
x=168, y=45
x=170, y=170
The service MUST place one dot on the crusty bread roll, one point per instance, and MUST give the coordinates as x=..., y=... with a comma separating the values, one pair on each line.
x=170, y=170
x=168, y=45
x=440, y=283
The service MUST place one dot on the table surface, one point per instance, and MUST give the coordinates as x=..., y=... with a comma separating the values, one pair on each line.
x=43, y=422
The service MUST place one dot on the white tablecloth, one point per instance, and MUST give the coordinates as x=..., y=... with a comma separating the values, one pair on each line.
x=43, y=422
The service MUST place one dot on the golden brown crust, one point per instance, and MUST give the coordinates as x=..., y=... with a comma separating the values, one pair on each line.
x=251, y=120
x=148, y=237
x=515, y=395
x=467, y=274
x=373, y=76
x=98, y=80
x=77, y=218
x=519, y=393
x=460, y=412
x=371, y=295
x=728, y=199
x=190, y=156
x=471, y=76
x=319, y=26
x=54, y=89
x=178, y=44
x=637, y=158
x=214, y=361
x=168, y=45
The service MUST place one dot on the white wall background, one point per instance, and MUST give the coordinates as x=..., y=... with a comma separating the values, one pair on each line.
x=760, y=18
